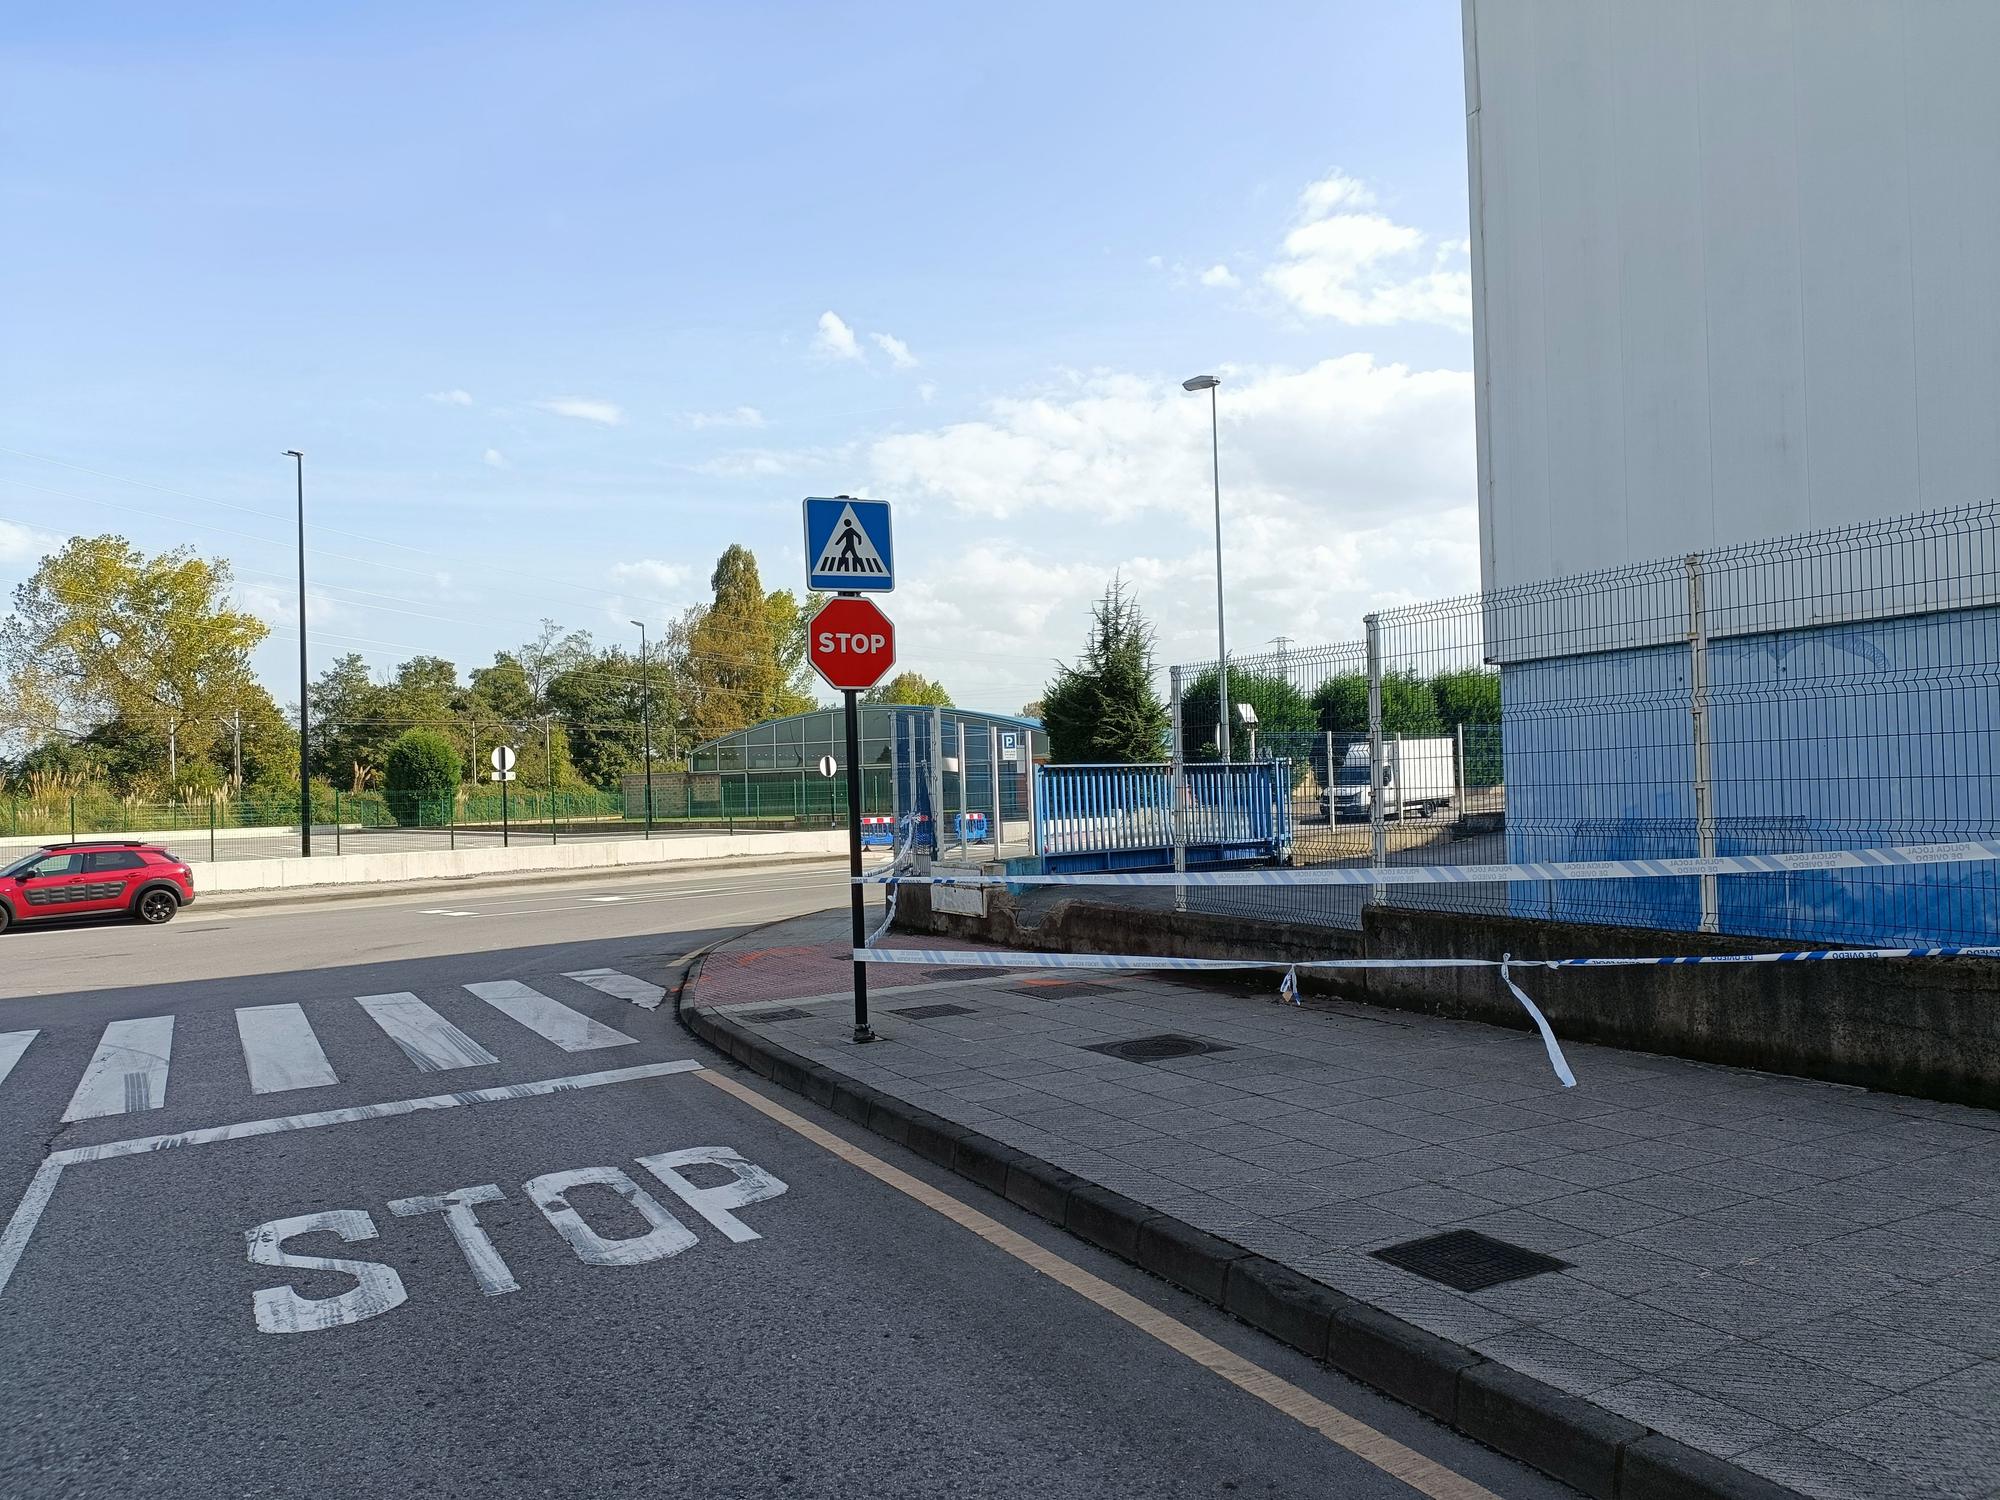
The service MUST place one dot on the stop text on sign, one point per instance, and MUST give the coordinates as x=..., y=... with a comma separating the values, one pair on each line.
x=851, y=644
x=379, y=1289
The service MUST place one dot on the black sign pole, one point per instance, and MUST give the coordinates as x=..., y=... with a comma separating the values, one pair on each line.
x=862, y=1031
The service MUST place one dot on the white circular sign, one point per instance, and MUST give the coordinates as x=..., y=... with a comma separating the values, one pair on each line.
x=502, y=757
x=828, y=766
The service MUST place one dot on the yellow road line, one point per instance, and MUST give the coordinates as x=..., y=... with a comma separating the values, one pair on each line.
x=1424, y=1475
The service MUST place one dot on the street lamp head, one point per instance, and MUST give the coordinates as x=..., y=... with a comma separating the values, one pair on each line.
x=1200, y=383
x=640, y=623
x=293, y=453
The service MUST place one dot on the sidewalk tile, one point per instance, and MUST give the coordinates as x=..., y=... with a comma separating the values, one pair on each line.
x=1515, y=1186
x=1685, y=1196
x=1791, y=1393
x=1824, y=1473
x=1686, y=1416
x=1923, y=1443
x=1432, y=1204
x=1568, y=1367
x=1604, y=1213
x=1526, y=1226
x=1890, y=1357
x=1732, y=1305
x=1357, y=1225
x=1639, y=1335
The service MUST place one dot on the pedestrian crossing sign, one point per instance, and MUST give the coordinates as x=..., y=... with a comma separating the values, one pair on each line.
x=847, y=545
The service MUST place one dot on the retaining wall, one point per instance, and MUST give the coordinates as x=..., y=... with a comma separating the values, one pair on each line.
x=1925, y=1027
x=223, y=877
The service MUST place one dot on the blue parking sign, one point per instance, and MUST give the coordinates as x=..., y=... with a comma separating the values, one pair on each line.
x=848, y=546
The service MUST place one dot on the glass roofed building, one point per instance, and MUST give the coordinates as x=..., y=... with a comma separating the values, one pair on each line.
x=772, y=769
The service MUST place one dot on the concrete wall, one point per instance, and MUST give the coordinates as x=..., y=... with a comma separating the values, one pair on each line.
x=1917, y=1026
x=1725, y=270
x=239, y=875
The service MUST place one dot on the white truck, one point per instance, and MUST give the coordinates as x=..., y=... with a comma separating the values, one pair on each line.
x=1418, y=776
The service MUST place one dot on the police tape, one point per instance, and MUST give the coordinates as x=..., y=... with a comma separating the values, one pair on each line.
x=1905, y=856
x=962, y=958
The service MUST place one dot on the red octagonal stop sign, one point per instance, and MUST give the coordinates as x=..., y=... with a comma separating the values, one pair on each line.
x=851, y=643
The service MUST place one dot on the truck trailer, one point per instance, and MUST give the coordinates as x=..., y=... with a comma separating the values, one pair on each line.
x=1418, y=776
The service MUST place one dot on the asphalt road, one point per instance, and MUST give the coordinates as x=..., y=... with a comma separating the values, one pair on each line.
x=523, y=1291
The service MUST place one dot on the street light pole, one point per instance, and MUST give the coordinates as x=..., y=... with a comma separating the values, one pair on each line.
x=646, y=722
x=1209, y=383
x=305, y=749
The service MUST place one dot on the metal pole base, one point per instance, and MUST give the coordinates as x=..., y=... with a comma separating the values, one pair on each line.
x=865, y=1033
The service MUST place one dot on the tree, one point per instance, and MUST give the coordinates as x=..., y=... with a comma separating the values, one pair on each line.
x=1408, y=706
x=1471, y=696
x=739, y=659
x=1281, y=709
x=598, y=703
x=1105, y=708
x=421, y=778
x=912, y=688
x=104, y=632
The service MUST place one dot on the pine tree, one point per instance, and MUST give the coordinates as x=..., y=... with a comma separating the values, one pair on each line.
x=1105, y=709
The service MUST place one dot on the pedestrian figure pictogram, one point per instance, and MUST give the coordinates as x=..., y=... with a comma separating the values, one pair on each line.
x=847, y=545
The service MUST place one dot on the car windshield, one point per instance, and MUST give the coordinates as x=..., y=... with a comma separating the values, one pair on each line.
x=20, y=864
x=1352, y=776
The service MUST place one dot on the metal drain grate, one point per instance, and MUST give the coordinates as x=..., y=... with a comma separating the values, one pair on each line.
x=1157, y=1048
x=1468, y=1260
x=932, y=1012
x=782, y=1013
x=1061, y=989
x=955, y=976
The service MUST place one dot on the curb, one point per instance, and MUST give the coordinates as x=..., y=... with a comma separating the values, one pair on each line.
x=1566, y=1437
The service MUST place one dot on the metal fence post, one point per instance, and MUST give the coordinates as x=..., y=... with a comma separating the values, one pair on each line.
x=1458, y=774
x=72, y=817
x=1176, y=822
x=993, y=780
x=211, y=830
x=1704, y=790
x=937, y=782
x=1378, y=833
x=336, y=821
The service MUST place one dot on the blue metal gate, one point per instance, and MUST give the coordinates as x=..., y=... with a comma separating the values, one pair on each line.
x=1090, y=818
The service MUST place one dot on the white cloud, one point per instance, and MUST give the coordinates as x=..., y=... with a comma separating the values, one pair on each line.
x=26, y=544
x=1219, y=275
x=835, y=340
x=1344, y=261
x=494, y=459
x=740, y=416
x=450, y=398
x=650, y=573
x=280, y=606
x=756, y=463
x=898, y=351
x=1346, y=486
x=605, y=413
x=927, y=393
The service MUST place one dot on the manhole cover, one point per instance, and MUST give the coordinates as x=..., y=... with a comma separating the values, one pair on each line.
x=782, y=1013
x=1157, y=1048
x=1060, y=988
x=932, y=1012
x=954, y=976
x=1468, y=1260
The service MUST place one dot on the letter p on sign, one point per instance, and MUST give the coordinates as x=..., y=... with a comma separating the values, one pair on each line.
x=852, y=644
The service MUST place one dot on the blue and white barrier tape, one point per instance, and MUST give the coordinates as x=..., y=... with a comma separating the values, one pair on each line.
x=1809, y=861
x=944, y=958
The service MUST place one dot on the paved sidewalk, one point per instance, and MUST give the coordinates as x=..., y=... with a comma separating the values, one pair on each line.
x=1801, y=1278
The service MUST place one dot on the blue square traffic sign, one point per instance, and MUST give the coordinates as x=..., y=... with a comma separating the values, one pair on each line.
x=847, y=545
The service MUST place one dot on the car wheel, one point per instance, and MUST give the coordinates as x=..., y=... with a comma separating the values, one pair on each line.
x=157, y=906
x=6, y=919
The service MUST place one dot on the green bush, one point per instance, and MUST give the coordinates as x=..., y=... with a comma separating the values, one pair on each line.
x=420, y=779
x=1282, y=711
x=1408, y=705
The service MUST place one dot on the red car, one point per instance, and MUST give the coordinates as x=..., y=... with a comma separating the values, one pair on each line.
x=110, y=877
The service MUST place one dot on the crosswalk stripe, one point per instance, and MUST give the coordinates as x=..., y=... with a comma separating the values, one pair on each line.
x=620, y=986
x=280, y=1050
x=427, y=1038
x=128, y=1072
x=12, y=1045
x=570, y=1030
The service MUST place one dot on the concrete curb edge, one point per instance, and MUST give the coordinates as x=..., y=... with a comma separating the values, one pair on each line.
x=1603, y=1455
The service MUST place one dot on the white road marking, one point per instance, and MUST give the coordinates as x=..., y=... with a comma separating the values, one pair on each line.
x=570, y=1030
x=668, y=1236
x=609, y=982
x=461, y=1216
x=602, y=899
x=427, y=1038
x=280, y=1050
x=377, y=1288
x=752, y=1185
x=128, y=1072
x=14, y=1043
x=14, y=1238
x=438, y=911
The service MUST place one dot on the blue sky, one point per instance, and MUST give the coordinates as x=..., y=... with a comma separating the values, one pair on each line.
x=560, y=301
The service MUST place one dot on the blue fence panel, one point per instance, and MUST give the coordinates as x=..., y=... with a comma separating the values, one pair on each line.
x=1121, y=817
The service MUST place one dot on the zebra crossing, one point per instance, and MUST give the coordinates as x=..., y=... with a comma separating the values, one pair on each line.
x=129, y=1070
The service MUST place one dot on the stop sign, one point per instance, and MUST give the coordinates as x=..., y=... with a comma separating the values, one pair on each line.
x=851, y=643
